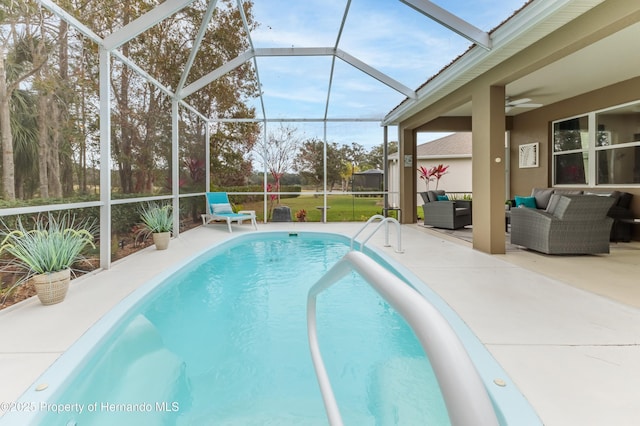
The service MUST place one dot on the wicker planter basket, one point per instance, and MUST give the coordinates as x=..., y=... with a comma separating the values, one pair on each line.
x=52, y=288
x=161, y=240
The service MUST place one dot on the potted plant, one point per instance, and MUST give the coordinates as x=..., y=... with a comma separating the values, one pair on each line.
x=46, y=253
x=301, y=215
x=157, y=221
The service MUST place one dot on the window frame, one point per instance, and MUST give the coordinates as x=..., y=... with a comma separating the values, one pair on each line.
x=591, y=151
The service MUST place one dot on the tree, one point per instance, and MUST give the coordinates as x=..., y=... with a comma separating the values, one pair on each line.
x=141, y=125
x=374, y=159
x=279, y=152
x=17, y=65
x=230, y=162
x=310, y=163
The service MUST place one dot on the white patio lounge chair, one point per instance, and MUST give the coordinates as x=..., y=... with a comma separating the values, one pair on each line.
x=219, y=208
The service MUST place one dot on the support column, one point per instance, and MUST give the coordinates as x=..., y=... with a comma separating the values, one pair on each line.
x=175, y=166
x=385, y=166
x=488, y=122
x=407, y=163
x=105, y=158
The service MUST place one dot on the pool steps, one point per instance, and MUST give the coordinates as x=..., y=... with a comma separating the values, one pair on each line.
x=383, y=221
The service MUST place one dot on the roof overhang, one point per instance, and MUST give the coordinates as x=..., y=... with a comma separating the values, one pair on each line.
x=535, y=21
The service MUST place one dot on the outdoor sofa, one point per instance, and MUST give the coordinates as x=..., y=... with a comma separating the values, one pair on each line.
x=620, y=210
x=572, y=224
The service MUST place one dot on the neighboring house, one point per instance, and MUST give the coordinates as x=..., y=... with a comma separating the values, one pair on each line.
x=453, y=150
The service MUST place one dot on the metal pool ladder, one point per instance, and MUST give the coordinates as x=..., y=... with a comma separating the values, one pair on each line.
x=465, y=396
x=383, y=221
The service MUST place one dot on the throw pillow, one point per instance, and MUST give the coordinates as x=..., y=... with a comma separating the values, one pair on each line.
x=553, y=203
x=526, y=202
x=542, y=196
x=443, y=198
x=221, y=208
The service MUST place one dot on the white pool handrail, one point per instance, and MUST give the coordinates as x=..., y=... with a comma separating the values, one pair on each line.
x=465, y=396
x=383, y=221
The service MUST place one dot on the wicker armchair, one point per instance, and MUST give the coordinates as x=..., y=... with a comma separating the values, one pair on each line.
x=445, y=214
x=573, y=224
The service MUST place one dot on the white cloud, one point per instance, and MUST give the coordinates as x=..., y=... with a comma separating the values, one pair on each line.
x=389, y=36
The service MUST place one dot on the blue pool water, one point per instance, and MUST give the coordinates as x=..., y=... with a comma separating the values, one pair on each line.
x=223, y=341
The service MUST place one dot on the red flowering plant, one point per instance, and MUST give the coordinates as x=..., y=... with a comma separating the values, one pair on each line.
x=434, y=173
x=438, y=171
x=424, y=175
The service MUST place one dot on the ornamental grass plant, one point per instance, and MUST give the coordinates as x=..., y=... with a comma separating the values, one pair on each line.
x=54, y=244
x=155, y=219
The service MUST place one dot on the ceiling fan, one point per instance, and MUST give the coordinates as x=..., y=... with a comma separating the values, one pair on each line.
x=519, y=103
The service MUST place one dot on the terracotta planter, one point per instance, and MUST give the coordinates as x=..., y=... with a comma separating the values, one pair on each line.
x=161, y=240
x=52, y=288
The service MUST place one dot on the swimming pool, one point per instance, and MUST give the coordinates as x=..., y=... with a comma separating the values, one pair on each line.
x=223, y=341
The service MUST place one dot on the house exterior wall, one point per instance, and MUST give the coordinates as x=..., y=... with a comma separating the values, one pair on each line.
x=535, y=126
x=457, y=178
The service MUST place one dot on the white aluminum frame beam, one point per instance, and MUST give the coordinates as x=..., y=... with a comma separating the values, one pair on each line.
x=298, y=120
x=211, y=7
x=144, y=22
x=372, y=72
x=216, y=74
x=451, y=21
x=64, y=15
x=297, y=51
x=105, y=158
x=245, y=25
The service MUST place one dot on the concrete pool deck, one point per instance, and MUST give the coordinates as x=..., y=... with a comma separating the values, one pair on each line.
x=565, y=328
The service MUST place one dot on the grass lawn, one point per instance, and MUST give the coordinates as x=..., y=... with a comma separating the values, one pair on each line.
x=342, y=208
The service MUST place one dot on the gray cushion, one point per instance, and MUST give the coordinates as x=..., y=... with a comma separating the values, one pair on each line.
x=625, y=200
x=553, y=202
x=433, y=195
x=542, y=196
x=568, y=191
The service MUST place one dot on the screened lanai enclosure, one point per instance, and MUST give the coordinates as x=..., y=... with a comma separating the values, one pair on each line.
x=108, y=105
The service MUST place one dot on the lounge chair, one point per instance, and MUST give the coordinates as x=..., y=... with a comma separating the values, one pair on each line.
x=219, y=208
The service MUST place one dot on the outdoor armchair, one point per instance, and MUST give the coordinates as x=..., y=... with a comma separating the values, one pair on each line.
x=447, y=214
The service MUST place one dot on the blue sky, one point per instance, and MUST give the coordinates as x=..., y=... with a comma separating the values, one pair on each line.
x=386, y=34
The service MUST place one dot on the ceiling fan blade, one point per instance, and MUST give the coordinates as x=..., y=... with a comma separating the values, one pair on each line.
x=517, y=102
x=528, y=105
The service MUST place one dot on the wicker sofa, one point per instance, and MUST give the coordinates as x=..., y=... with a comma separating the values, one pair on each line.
x=447, y=214
x=621, y=209
x=572, y=224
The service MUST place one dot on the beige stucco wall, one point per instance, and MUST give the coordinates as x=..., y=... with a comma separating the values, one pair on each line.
x=457, y=178
x=535, y=126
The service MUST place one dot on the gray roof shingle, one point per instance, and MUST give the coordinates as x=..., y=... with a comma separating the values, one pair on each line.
x=454, y=145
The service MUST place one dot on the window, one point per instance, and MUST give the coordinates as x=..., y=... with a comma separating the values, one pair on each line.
x=609, y=138
x=571, y=151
